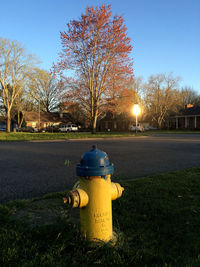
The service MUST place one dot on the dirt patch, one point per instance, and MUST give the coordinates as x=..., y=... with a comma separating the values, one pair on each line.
x=46, y=211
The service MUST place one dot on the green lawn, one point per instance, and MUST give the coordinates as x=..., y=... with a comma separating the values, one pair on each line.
x=58, y=136
x=157, y=220
x=80, y=135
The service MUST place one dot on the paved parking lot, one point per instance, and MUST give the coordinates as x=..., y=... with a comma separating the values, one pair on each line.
x=31, y=169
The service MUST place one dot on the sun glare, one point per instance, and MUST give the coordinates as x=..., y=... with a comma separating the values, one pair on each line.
x=136, y=109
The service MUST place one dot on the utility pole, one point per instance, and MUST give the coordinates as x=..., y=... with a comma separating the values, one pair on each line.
x=39, y=114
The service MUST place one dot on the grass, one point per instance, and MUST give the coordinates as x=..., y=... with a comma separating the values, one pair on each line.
x=20, y=136
x=157, y=220
x=58, y=136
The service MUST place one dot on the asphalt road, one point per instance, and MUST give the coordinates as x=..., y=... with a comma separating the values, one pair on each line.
x=31, y=169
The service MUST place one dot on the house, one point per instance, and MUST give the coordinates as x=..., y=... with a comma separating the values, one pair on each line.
x=44, y=119
x=187, y=118
x=113, y=123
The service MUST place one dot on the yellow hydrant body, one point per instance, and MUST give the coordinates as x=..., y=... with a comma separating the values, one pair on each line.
x=96, y=217
x=94, y=195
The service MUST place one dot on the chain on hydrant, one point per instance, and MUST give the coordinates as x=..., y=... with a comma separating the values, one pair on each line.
x=94, y=194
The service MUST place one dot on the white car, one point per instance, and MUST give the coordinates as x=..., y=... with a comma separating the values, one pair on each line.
x=139, y=128
x=68, y=128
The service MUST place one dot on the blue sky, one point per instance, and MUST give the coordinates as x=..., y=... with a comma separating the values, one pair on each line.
x=165, y=34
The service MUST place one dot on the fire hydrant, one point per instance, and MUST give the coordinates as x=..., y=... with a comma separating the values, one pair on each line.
x=94, y=194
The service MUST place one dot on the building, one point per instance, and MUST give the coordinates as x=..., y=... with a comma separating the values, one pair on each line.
x=113, y=123
x=187, y=118
x=46, y=119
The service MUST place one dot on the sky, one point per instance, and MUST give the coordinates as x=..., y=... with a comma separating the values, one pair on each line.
x=165, y=34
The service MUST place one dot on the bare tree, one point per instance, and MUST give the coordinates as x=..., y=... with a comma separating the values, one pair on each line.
x=22, y=103
x=189, y=96
x=161, y=97
x=44, y=89
x=15, y=64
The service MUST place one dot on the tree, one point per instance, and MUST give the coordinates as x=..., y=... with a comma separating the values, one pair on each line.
x=188, y=96
x=21, y=103
x=121, y=98
x=14, y=67
x=96, y=48
x=44, y=89
x=161, y=97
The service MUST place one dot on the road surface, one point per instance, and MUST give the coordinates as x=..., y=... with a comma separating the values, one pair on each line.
x=32, y=169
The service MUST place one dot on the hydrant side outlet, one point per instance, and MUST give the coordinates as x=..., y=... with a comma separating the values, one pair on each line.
x=77, y=198
x=116, y=190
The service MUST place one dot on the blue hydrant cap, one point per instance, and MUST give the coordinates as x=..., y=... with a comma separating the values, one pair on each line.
x=94, y=163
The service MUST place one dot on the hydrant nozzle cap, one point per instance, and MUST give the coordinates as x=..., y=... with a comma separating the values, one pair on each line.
x=94, y=163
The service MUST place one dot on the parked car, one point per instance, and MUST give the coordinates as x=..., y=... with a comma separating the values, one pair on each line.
x=2, y=127
x=152, y=128
x=52, y=129
x=26, y=129
x=139, y=128
x=68, y=128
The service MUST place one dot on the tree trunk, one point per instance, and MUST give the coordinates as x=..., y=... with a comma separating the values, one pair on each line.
x=8, y=120
x=160, y=121
x=94, y=124
x=20, y=119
